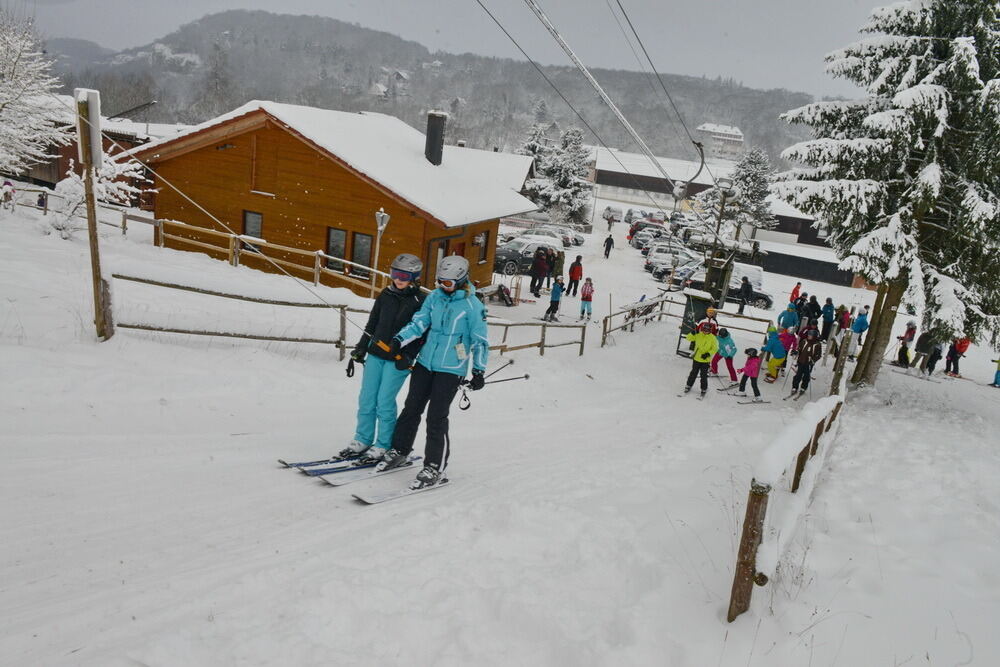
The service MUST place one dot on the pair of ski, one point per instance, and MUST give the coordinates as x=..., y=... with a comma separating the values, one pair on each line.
x=795, y=395
x=734, y=385
x=339, y=471
x=918, y=376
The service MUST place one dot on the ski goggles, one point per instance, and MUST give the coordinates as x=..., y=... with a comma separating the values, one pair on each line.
x=446, y=282
x=399, y=274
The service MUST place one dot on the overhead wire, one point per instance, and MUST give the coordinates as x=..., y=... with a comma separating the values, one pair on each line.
x=579, y=115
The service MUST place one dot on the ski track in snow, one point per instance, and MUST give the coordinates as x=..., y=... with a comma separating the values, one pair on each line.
x=591, y=520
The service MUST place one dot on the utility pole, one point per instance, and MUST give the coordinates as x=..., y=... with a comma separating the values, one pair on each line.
x=90, y=151
x=718, y=268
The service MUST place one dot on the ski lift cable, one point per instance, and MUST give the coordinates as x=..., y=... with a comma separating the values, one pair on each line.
x=203, y=210
x=665, y=91
x=644, y=70
x=537, y=11
x=541, y=72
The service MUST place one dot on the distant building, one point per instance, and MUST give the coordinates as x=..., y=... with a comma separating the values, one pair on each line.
x=722, y=141
x=312, y=179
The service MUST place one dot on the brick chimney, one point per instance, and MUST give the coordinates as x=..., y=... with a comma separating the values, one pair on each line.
x=434, y=147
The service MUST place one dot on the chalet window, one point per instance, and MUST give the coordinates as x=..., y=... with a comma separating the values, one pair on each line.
x=336, y=246
x=361, y=253
x=253, y=225
x=482, y=241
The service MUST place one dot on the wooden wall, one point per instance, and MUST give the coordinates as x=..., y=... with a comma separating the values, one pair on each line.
x=300, y=193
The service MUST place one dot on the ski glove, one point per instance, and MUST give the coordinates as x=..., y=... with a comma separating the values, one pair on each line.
x=706, y=356
x=478, y=381
x=404, y=363
x=394, y=346
x=358, y=354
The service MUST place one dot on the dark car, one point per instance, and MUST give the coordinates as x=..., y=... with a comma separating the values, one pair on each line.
x=517, y=255
x=758, y=299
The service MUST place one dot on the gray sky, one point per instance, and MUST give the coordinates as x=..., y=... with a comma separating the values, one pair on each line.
x=763, y=43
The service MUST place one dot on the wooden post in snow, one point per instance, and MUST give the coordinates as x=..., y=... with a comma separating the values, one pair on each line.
x=746, y=560
x=88, y=111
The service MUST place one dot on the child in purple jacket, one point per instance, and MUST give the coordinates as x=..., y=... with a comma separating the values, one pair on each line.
x=750, y=370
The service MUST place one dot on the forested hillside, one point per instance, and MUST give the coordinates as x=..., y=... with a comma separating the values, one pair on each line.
x=220, y=61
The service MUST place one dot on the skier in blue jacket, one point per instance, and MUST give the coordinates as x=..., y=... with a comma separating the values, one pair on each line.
x=860, y=325
x=727, y=350
x=789, y=318
x=454, y=321
x=828, y=316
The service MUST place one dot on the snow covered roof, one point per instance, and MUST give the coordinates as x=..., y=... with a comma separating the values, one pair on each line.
x=728, y=130
x=468, y=186
x=679, y=170
x=800, y=250
x=63, y=108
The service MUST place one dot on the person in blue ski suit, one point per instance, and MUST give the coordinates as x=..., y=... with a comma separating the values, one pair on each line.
x=454, y=322
x=860, y=325
x=778, y=353
x=829, y=313
x=384, y=373
x=789, y=318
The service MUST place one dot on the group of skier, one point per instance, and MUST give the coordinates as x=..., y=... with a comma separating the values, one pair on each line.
x=560, y=289
x=431, y=339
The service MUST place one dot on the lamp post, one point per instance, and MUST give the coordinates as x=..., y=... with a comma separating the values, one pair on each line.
x=381, y=222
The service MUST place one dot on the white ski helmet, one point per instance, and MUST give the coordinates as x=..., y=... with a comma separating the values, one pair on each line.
x=406, y=267
x=453, y=268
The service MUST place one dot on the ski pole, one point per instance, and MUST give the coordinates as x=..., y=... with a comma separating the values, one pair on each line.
x=499, y=368
x=519, y=377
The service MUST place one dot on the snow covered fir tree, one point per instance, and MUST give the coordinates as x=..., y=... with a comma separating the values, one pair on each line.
x=906, y=178
x=560, y=186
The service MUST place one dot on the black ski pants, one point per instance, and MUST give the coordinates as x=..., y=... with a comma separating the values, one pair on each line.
x=571, y=287
x=753, y=383
x=696, y=368
x=951, y=364
x=438, y=389
x=802, y=375
x=827, y=326
x=536, y=284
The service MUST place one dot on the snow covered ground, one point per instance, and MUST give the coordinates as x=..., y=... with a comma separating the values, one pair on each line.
x=593, y=517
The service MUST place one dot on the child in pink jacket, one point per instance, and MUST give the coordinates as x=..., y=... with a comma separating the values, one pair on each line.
x=750, y=370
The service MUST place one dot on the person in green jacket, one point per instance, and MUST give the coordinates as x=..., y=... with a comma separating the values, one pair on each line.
x=705, y=347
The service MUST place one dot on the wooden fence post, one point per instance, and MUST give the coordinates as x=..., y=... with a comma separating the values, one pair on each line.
x=833, y=415
x=232, y=250
x=660, y=316
x=746, y=559
x=159, y=233
x=503, y=341
x=343, y=332
x=583, y=337
x=604, y=332
x=317, y=267
x=838, y=366
x=541, y=345
x=124, y=223
x=237, y=249
x=800, y=465
x=109, y=322
x=816, y=434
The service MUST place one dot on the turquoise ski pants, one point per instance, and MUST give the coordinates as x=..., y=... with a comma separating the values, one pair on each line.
x=380, y=384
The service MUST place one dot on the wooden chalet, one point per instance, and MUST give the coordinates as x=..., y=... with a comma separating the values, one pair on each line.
x=312, y=180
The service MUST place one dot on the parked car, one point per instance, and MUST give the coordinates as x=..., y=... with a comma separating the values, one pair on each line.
x=644, y=236
x=759, y=298
x=612, y=213
x=666, y=254
x=658, y=216
x=516, y=256
x=639, y=225
x=538, y=233
x=662, y=240
x=662, y=271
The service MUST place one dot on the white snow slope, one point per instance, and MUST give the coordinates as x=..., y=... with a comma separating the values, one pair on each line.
x=592, y=520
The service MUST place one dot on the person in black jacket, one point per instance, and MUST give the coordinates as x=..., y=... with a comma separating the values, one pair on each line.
x=813, y=310
x=385, y=372
x=746, y=294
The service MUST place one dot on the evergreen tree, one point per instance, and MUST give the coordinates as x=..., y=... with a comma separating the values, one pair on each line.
x=537, y=146
x=29, y=117
x=752, y=175
x=569, y=193
x=906, y=178
x=540, y=111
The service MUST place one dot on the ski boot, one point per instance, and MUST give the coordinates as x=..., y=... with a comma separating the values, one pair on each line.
x=371, y=456
x=758, y=399
x=354, y=449
x=391, y=459
x=429, y=476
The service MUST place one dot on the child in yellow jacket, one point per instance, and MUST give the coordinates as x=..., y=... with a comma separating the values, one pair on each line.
x=705, y=347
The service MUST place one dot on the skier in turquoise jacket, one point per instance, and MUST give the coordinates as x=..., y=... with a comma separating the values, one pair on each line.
x=727, y=350
x=454, y=321
x=789, y=318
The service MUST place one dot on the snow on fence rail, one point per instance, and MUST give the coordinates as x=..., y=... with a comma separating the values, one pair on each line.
x=762, y=542
x=646, y=311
